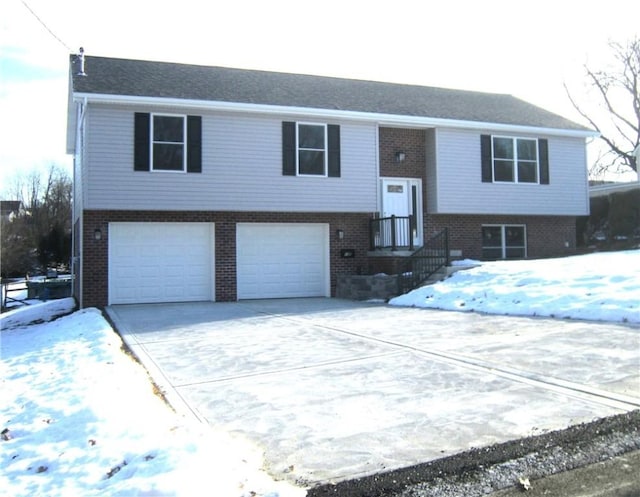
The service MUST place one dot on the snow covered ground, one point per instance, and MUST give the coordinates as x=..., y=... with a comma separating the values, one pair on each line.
x=79, y=417
x=600, y=287
x=82, y=419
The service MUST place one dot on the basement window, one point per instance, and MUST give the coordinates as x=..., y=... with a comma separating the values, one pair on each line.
x=504, y=242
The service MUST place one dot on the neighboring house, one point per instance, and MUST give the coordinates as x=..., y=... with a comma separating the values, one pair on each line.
x=614, y=214
x=207, y=183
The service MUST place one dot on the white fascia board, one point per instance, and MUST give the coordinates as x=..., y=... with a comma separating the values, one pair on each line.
x=381, y=119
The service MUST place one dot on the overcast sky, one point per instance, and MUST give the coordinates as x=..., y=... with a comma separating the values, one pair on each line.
x=525, y=48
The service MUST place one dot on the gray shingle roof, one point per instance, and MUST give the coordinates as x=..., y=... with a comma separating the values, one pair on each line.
x=112, y=76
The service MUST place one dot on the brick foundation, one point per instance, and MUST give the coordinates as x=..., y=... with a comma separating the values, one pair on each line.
x=546, y=235
x=95, y=276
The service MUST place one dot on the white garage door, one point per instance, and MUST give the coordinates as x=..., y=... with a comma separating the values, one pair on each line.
x=282, y=260
x=160, y=262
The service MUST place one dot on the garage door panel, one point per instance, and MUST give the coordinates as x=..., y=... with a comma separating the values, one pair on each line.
x=282, y=260
x=160, y=262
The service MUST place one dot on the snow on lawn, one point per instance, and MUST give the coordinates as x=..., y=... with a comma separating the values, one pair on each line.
x=79, y=417
x=601, y=287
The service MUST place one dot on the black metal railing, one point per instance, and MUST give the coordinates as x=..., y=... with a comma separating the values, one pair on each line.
x=15, y=286
x=425, y=262
x=391, y=232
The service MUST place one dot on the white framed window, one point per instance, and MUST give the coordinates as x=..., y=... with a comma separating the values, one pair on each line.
x=504, y=241
x=311, y=140
x=168, y=142
x=514, y=160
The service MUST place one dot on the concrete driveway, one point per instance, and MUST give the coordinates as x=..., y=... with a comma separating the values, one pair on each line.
x=332, y=389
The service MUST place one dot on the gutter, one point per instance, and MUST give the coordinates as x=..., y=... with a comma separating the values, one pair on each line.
x=378, y=118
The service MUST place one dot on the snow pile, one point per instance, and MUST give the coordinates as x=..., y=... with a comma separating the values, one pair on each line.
x=34, y=314
x=79, y=417
x=599, y=287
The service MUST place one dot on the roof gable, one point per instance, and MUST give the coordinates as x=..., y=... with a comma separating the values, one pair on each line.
x=136, y=78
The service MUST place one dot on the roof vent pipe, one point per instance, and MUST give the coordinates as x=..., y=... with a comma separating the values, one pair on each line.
x=81, y=60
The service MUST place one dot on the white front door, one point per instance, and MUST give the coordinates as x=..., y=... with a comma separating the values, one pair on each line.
x=402, y=198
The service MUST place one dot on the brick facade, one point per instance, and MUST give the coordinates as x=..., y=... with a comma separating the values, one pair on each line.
x=412, y=143
x=95, y=276
x=409, y=141
x=547, y=236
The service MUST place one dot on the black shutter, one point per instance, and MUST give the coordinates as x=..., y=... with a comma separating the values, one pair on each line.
x=141, y=141
x=485, y=154
x=543, y=159
x=194, y=144
x=333, y=141
x=288, y=148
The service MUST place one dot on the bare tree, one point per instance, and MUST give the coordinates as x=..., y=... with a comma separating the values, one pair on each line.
x=40, y=235
x=617, y=92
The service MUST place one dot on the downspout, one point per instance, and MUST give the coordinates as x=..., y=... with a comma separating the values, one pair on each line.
x=79, y=153
x=378, y=178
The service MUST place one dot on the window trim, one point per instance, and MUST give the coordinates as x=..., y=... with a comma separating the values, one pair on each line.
x=325, y=150
x=152, y=142
x=503, y=245
x=514, y=140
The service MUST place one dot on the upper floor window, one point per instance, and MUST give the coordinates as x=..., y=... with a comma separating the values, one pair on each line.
x=312, y=149
x=168, y=145
x=167, y=142
x=507, y=159
x=515, y=160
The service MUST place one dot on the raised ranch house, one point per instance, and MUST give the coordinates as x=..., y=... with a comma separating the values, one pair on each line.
x=201, y=183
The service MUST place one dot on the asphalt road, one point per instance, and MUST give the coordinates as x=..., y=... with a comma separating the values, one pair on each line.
x=616, y=477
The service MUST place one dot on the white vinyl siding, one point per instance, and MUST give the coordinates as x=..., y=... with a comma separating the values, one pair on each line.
x=461, y=190
x=241, y=168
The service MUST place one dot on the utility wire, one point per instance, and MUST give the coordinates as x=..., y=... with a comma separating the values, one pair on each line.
x=45, y=26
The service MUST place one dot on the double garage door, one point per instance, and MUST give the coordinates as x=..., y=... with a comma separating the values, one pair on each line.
x=175, y=262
